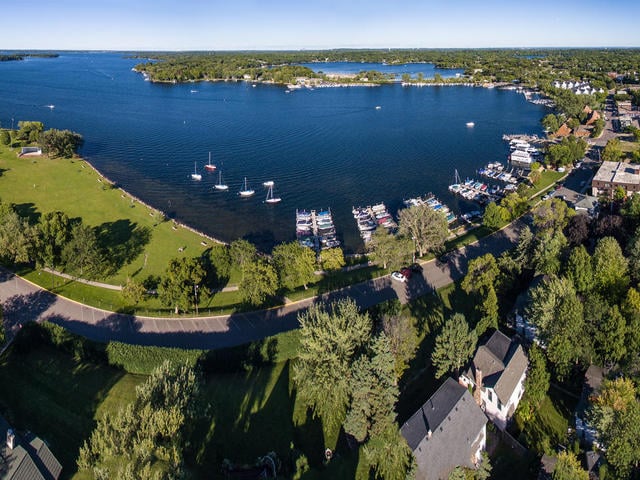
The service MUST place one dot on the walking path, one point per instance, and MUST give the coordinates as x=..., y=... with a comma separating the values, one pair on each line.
x=24, y=302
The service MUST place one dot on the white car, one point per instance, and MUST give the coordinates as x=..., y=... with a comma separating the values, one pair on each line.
x=398, y=277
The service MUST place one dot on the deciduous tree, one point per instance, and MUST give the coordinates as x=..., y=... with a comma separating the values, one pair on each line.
x=260, y=281
x=54, y=231
x=610, y=269
x=568, y=468
x=81, y=253
x=495, y=216
x=242, y=253
x=428, y=228
x=332, y=259
x=329, y=344
x=294, y=264
x=389, y=250
x=181, y=286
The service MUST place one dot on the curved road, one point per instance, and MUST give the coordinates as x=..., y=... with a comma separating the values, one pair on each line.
x=24, y=302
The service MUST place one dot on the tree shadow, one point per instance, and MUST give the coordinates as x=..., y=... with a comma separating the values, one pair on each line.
x=122, y=241
x=18, y=310
x=264, y=240
x=28, y=211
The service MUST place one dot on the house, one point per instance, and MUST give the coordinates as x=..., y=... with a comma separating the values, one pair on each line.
x=497, y=373
x=27, y=458
x=593, y=116
x=449, y=430
x=616, y=174
x=591, y=385
x=563, y=131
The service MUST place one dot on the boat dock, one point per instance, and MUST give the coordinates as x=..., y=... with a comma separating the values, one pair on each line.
x=315, y=229
x=474, y=190
x=371, y=217
x=432, y=202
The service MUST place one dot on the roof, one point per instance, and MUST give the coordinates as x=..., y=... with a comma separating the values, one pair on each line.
x=618, y=173
x=502, y=362
x=30, y=458
x=454, y=420
x=593, y=378
x=563, y=131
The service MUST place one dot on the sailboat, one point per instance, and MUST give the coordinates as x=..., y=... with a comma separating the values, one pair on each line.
x=209, y=167
x=195, y=175
x=270, y=198
x=246, y=191
x=220, y=185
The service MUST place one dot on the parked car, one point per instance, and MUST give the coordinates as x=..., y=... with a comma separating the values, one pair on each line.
x=406, y=272
x=399, y=277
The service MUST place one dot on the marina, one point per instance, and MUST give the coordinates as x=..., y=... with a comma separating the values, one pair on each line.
x=315, y=229
x=370, y=218
x=432, y=202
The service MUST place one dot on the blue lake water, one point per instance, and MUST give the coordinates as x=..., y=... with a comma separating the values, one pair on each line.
x=323, y=148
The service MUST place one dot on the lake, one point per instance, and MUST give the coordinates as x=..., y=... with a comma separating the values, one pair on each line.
x=328, y=147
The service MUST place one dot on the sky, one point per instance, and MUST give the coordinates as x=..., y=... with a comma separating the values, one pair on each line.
x=315, y=24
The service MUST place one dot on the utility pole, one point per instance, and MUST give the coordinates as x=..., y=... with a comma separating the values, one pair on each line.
x=195, y=295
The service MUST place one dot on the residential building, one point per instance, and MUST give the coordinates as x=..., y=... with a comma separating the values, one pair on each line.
x=497, y=373
x=591, y=385
x=449, y=430
x=25, y=458
x=611, y=175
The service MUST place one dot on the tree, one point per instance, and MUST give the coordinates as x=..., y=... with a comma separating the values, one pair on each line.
x=180, y=286
x=454, y=346
x=375, y=392
x=17, y=238
x=427, y=228
x=610, y=269
x=390, y=250
x=577, y=230
x=220, y=260
x=480, y=280
x=630, y=211
x=403, y=339
x=54, y=231
x=81, y=253
x=242, y=253
x=631, y=311
x=29, y=131
x=5, y=137
x=259, y=282
x=612, y=151
x=146, y=440
x=60, y=143
x=547, y=253
x=294, y=264
x=550, y=123
x=615, y=413
x=133, y=292
x=610, y=339
x=579, y=269
x=568, y=468
x=332, y=259
x=536, y=384
x=388, y=454
x=514, y=204
x=552, y=215
x=495, y=216
x=329, y=344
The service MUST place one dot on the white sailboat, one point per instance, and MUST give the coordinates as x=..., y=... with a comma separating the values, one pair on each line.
x=220, y=185
x=209, y=167
x=195, y=175
x=246, y=191
x=270, y=198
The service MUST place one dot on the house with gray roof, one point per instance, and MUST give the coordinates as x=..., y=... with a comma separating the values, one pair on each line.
x=497, y=373
x=25, y=458
x=449, y=430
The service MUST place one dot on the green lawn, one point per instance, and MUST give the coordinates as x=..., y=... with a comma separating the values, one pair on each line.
x=37, y=185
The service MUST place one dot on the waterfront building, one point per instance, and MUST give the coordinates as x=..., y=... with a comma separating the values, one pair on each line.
x=611, y=175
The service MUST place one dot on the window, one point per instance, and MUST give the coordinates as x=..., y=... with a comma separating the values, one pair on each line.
x=490, y=395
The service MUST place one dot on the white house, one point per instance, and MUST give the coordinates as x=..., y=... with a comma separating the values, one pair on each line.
x=497, y=373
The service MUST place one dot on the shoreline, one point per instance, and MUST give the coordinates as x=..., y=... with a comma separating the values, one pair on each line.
x=133, y=198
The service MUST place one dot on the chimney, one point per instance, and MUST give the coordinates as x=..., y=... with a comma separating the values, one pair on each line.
x=11, y=439
x=429, y=433
x=477, y=393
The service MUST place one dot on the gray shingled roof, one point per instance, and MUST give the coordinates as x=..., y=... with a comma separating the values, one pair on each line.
x=28, y=460
x=502, y=362
x=454, y=420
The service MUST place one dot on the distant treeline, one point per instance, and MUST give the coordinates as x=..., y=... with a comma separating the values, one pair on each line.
x=529, y=66
x=21, y=56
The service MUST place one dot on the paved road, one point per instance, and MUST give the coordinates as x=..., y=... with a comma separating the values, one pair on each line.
x=24, y=302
